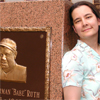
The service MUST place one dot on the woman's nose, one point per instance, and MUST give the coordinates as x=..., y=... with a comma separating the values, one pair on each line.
x=84, y=22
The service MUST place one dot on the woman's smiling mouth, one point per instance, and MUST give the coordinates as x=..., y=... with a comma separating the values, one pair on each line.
x=87, y=29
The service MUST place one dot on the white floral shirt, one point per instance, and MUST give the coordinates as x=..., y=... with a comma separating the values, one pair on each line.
x=81, y=68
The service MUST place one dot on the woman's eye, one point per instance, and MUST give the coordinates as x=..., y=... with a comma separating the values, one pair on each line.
x=77, y=21
x=88, y=17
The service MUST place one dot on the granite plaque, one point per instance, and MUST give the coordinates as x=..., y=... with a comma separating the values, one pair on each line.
x=33, y=54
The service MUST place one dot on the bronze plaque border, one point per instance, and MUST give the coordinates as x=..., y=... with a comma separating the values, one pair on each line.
x=47, y=55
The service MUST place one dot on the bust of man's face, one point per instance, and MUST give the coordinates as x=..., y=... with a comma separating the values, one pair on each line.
x=7, y=59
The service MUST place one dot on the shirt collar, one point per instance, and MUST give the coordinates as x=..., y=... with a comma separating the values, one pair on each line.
x=87, y=49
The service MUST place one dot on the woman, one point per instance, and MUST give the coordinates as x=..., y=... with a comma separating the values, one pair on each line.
x=81, y=65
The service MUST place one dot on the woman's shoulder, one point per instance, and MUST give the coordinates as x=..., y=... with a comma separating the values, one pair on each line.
x=75, y=51
x=73, y=55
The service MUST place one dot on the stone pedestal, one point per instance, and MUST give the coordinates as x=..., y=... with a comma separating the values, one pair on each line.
x=52, y=14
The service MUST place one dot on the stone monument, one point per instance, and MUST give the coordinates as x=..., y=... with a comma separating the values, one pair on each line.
x=43, y=34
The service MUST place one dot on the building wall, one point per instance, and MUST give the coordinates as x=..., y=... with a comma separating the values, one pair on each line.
x=13, y=0
x=73, y=1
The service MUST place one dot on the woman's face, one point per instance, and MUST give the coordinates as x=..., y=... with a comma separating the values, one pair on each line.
x=85, y=22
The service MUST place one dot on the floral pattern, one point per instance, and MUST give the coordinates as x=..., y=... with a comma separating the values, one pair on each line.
x=68, y=75
x=98, y=67
x=81, y=68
